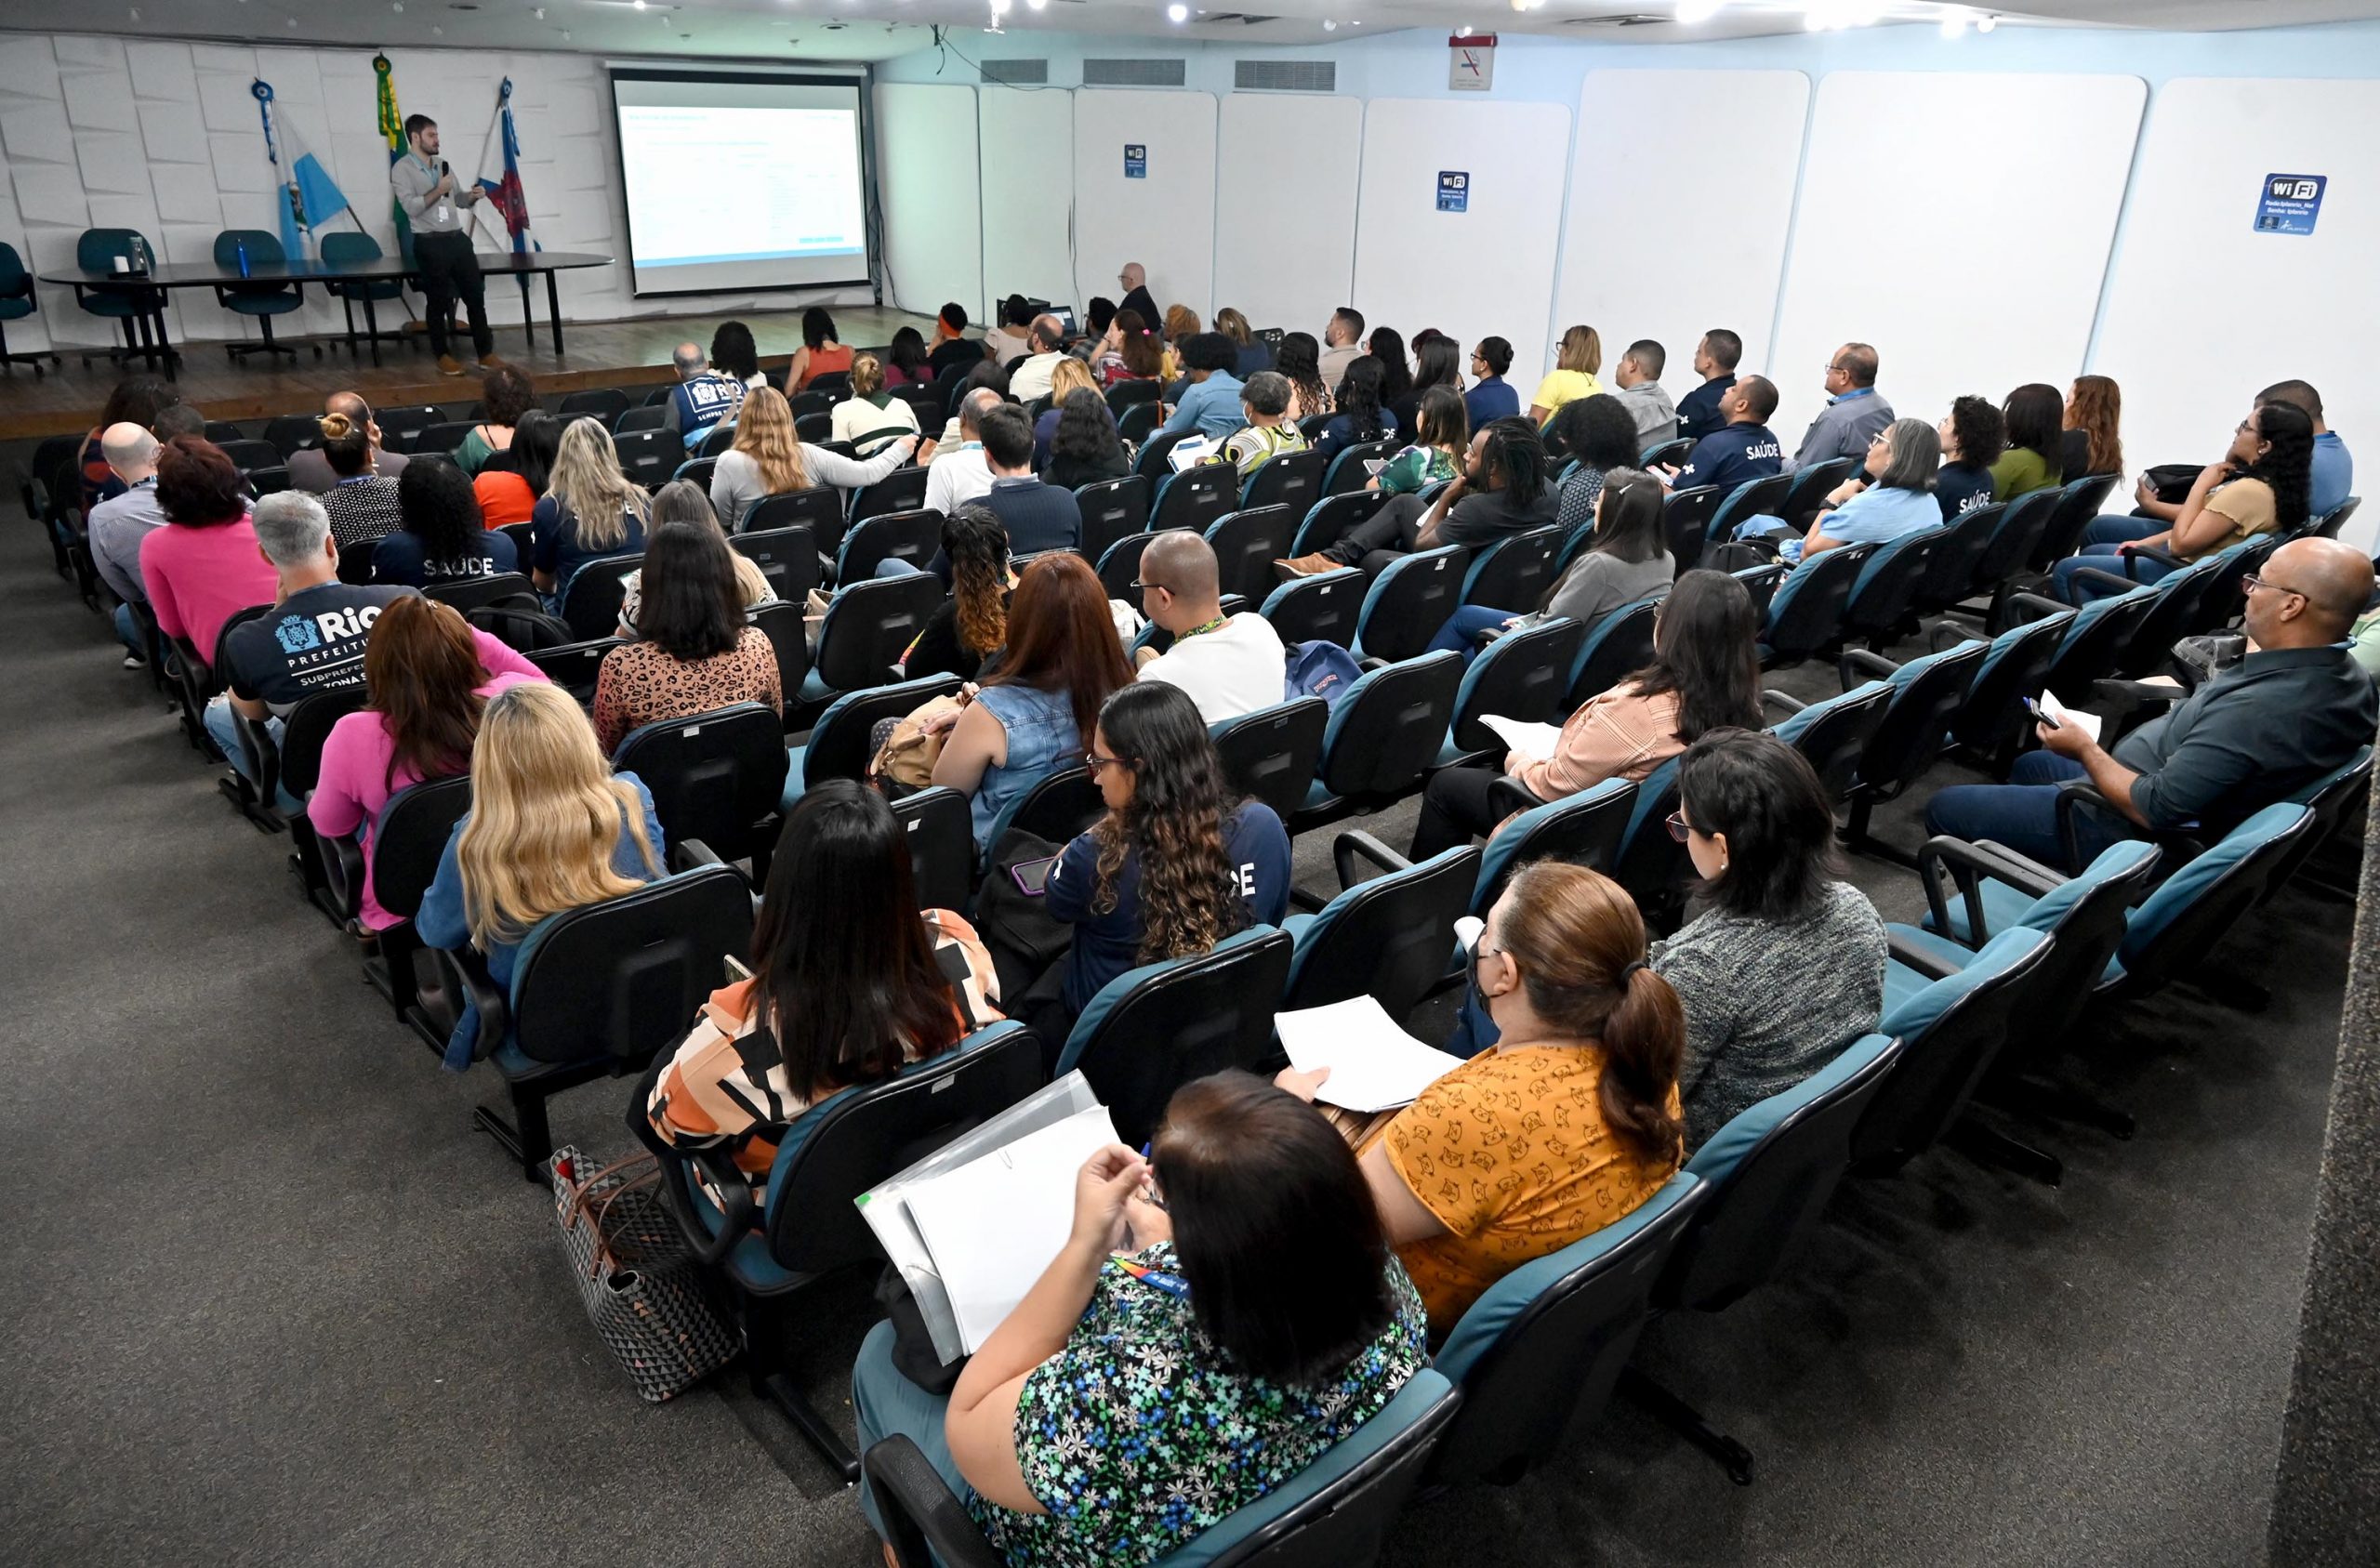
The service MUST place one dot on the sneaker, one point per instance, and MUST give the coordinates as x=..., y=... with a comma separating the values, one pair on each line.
x=1303, y=566
x=489, y=361
x=134, y=661
x=449, y=365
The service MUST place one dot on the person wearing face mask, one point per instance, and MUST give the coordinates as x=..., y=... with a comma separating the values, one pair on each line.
x=1468, y=1182
x=1760, y=1015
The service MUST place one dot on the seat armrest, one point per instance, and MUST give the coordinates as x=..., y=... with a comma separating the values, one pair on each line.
x=1368, y=666
x=737, y=1215
x=343, y=872
x=2092, y=575
x=1349, y=848
x=2038, y=605
x=466, y=973
x=688, y=853
x=925, y=1524
x=1508, y=794
x=2021, y=872
x=2133, y=556
x=1968, y=864
x=1875, y=665
x=1925, y=961
x=1771, y=697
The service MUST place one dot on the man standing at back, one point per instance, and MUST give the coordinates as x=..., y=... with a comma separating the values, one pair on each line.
x=1135, y=279
x=310, y=470
x=703, y=396
x=1854, y=410
x=1045, y=343
x=1716, y=359
x=1744, y=448
x=1229, y=664
x=434, y=203
x=1639, y=378
x=1342, y=345
x=2333, y=479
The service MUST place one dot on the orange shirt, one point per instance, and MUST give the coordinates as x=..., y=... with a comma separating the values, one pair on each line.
x=825, y=360
x=504, y=498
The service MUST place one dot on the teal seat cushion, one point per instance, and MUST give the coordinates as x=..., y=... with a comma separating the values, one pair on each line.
x=793, y=783
x=1911, y=1012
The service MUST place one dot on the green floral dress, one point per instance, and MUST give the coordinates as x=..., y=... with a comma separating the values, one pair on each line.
x=1136, y=1436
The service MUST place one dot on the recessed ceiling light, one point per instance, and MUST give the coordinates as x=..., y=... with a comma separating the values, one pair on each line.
x=1177, y=14
x=1692, y=13
x=1987, y=23
x=1329, y=26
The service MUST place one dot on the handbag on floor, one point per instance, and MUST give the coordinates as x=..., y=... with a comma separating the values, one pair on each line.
x=643, y=1291
x=906, y=756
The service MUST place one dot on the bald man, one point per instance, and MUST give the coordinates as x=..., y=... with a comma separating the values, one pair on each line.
x=702, y=398
x=1229, y=664
x=1135, y=279
x=1045, y=345
x=2292, y=712
x=117, y=525
x=310, y=471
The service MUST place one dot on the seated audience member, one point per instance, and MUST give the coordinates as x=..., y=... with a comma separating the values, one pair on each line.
x=1573, y=374
x=1181, y=325
x=202, y=568
x=1175, y=865
x=2259, y=487
x=1743, y=448
x=959, y=471
x=1137, y=355
x=440, y=538
x=1502, y=491
x=360, y=504
x=905, y=364
x=871, y=419
x=1009, y=341
x=310, y=470
x=1436, y=358
x=2090, y=443
x=951, y=345
x=135, y=400
x=1705, y=676
x=185, y=419
x=1971, y=436
x=1441, y=442
x=1264, y=405
x=1639, y=378
x=1783, y=962
x=1343, y=340
x=1254, y=353
x=1108, y=1420
x=1211, y=405
x=1031, y=719
x=1599, y=436
x=1629, y=560
x=1068, y=377
x=1359, y=416
x=509, y=484
x=703, y=398
x=734, y=354
x=312, y=637
x=768, y=459
x=115, y=528
x=1855, y=410
x=1084, y=446
x=844, y=991
x=1904, y=457
x=1097, y=317
x=1492, y=397
x=1038, y=516
x=682, y=500
x=1135, y=281
x=1715, y=358
x=1230, y=665
x=820, y=353
x=505, y=396
x=695, y=651
x=1589, y=1040
x=550, y=828
x=2294, y=710
x=2332, y=478
x=429, y=675
x=591, y=510
x=1045, y=345
x=1298, y=360
x=965, y=635
x=2034, y=417
x=1386, y=346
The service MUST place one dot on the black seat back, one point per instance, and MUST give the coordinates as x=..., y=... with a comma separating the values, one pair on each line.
x=838, y=747
x=1916, y=721
x=615, y=981
x=942, y=846
x=1685, y=519
x=308, y=726
x=1833, y=735
x=410, y=838
x=1410, y=602
x=444, y=436
x=1513, y=574
x=714, y=776
x=1246, y=543
x=1942, y=1062
x=1055, y=808
x=1881, y=598
x=606, y=403
x=1112, y=510
x=1388, y=937
x=1179, y=1020
x=1322, y=609
x=1389, y=727
x=1329, y=520
x=591, y=603
x=2078, y=504
x=1292, y=479
x=2014, y=541
x=1620, y=645
x=1805, y=497
x=1752, y=498
x=293, y=434
x=910, y=536
x=786, y=557
x=902, y=490
x=819, y=508
x=1198, y=497
x=467, y=594
x=789, y=641
x=870, y=625
x=1950, y=570
x=2088, y=652
x=1525, y=676
x=1806, y=614
x=650, y=456
x=1652, y=866
x=1271, y=754
x=574, y=665
x=1347, y=472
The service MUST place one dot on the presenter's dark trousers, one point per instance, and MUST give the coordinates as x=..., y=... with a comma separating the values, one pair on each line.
x=450, y=271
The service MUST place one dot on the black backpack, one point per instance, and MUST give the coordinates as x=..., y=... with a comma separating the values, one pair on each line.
x=523, y=624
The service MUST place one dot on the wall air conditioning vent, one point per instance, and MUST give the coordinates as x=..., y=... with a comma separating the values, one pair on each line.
x=1619, y=19
x=1245, y=19
x=1135, y=72
x=1285, y=75
x=1017, y=72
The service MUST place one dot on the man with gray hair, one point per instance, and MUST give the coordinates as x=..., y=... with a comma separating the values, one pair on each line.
x=1229, y=664
x=959, y=473
x=310, y=470
x=1045, y=344
x=311, y=639
x=703, y=397
x=1855, y=410
x=117, y=525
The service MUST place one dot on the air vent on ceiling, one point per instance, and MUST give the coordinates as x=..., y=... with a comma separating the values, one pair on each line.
x=1017, y=72
x=1285, y=75
x=1133, y=72
x=1619, y=19
x=1245, y=19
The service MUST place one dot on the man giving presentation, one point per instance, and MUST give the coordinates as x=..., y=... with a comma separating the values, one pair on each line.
x=434, y=201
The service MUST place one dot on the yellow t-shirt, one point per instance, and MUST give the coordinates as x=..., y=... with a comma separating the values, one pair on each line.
x=1563, y=386
x=1510, y=1153
x=2248, y=505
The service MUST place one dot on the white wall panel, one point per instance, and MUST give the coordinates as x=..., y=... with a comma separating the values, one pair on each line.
x=1488, y=270
x=1285, y=247
x=1959, y=223
x=1027, y=143
x=933, y=215
x=1164, y=222
x=2299, y=306
x=1721, y=254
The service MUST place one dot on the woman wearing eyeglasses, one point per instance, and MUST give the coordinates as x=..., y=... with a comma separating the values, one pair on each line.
x=1784, y=961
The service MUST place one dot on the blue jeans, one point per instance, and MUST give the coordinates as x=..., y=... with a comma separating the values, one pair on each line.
x=885, y=1404
x=126, y=633
x=226, y=736
x=2120, y=528
x=2022, y=813
x=1460, y=634
x=2102, y=557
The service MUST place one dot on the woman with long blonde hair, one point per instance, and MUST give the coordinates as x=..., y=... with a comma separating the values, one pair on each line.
x=590, y=509
x=1573, y=374
x=770, y=459
x=1070, y=374
x=550, y=828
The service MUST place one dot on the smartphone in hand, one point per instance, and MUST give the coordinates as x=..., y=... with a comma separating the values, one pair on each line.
x=2040, y=715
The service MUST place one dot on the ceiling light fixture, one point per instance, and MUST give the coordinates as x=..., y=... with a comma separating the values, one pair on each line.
x=1329, y=26
x=1038, y=4
x=1693, y=13
x=1177, y=14
x=1986, y=22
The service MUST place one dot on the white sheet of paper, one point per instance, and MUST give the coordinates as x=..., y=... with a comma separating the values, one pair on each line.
x=1531, y=740
x=2086, y=722
x=994, y=1223
x=1193, y=451
x=1374, y=1065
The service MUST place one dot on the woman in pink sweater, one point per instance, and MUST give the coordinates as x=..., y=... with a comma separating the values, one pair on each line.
x=429, y=675
x=1705, y=675
x=203, y=566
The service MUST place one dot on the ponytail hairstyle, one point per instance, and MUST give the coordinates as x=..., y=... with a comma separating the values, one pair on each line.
x=1580, y=946
x=1139, y=348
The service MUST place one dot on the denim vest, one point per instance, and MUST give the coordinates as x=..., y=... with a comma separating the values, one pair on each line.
x=1041, y=739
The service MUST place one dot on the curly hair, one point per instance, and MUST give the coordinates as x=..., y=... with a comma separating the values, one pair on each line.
x=976, y=542
x=505, y=394
x=1189, y=898
x=1976, y=425
x=2288, y=463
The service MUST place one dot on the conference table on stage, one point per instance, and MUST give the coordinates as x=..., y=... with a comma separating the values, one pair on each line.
x=153, y=285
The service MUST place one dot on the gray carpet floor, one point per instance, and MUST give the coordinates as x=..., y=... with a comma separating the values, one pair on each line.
x=270, y=1300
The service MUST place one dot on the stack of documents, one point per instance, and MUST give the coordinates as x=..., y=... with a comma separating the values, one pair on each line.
x=1536, y=741
x=1374, y=1065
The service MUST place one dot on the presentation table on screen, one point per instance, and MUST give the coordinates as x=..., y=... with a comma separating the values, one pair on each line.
x=741, y=181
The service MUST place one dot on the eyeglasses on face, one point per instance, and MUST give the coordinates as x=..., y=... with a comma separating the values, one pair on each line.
x=2253, y=583
x=1095, y=764
x=1139, y=586
x=1679, y=827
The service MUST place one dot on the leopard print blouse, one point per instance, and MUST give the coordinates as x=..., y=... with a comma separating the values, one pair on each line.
x=641, y=682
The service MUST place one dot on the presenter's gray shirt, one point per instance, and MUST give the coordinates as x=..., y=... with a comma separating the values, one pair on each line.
x=412, y=181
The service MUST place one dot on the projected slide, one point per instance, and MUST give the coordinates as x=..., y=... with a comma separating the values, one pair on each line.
x=741, y=181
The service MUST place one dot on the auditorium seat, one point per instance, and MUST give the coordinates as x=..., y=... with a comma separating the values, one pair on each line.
x=715, y=778
x=1245, y=544
x=838, y=744
x=1333, y=517
x=648, y=416
x=1385, y=936
x=408, y=841
x=349, y=248
x=912, y=537
x=1514, y=572
x=1383, y=737
x=1323, y=607
x=1831, y=734
x=1882, y=593
x=1271, y=753
x=1753, y=497
x=18, y=301
x=606, y=403
x=902, y=490
x=1806, y=615
x=786, y=557
x=1196, y=499
x=1409, y=602
x=866, y=629
x=1927, y=692
x=1292, y=479
x=1952, y=1030
x=1805, y=497
x=591, y=600
x=650, y=456
x=941, y=834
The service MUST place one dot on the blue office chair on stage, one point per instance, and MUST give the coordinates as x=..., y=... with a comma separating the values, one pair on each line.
x=262, y=301
x=355, y=250
x=17, y=302
x=130, y=308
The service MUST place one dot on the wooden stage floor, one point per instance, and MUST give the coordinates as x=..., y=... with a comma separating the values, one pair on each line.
x=617, y=353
